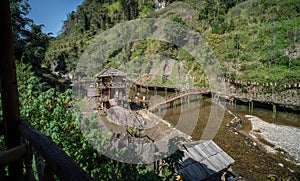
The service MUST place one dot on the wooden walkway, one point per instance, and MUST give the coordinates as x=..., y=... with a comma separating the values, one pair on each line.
x=229, y=96
x=250, y=97
x=260, y=96
x=172, y=97
x=247, y=97
x=154, y=86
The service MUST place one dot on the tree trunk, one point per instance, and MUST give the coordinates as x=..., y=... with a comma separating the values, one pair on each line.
x=9, y=91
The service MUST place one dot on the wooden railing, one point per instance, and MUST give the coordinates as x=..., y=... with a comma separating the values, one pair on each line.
x=177, y=95
x=22, y=141
x=50, y=160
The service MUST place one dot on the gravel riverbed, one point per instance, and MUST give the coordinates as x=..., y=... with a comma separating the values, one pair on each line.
x=282, y=137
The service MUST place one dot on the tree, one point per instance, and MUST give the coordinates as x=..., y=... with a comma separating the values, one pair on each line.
x=35, y=44
x=19, y=11
x=237, y=45
x=30, y=44
x=130, y=9
x=175, y=32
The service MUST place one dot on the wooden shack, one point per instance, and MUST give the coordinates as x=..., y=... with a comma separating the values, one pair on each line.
x=203, y=160
x=110, y=88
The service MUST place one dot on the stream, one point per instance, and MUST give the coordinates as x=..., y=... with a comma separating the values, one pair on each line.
x=280, y=130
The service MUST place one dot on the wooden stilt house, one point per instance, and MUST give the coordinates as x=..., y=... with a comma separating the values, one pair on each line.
x=111, y=88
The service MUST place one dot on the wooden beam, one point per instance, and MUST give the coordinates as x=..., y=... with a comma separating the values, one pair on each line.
x=63, y=167
x=9, y=90
x=1, y=127
x=13, y=154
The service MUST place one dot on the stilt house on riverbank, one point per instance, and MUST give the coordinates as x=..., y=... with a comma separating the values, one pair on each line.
x=111, y=88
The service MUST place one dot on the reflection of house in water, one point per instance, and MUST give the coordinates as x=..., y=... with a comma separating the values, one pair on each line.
x=111, y=88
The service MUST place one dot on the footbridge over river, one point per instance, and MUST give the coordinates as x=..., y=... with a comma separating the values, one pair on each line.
x=252, y=94
x=178, y=95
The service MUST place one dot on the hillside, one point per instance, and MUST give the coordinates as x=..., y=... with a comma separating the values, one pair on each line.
x=254, y=40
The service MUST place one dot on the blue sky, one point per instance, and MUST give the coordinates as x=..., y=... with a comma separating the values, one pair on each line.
x=51, y=13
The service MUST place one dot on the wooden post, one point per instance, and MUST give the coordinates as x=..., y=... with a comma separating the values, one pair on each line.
x=9, y=89
x=48, y=173
x=155, y=90
x=249, y=107
x=63, y=167
x=234, y=102
x=135, y=88
x=274, y=109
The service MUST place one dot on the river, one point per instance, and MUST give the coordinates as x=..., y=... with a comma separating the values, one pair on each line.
x=253, y=159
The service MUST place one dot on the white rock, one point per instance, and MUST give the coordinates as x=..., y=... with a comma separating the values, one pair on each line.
x=292, y=171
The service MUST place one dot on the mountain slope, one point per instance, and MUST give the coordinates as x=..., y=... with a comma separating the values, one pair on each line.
x=254, y=40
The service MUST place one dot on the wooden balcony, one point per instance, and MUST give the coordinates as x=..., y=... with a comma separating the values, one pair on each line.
x=50, y=160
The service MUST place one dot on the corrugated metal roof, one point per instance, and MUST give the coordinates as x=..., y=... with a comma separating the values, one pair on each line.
x=110, y=72
x=201, y=159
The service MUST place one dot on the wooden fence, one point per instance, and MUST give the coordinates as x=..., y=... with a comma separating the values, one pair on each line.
x=50, y=160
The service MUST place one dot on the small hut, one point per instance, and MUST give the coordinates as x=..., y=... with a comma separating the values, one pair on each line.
x=203, y=160
x=111, y=87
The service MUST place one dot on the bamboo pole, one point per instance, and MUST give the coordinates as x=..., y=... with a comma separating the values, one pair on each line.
x=9, y=89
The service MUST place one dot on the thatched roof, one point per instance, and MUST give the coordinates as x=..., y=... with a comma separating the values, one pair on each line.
x=110, y=72
x=201, y=159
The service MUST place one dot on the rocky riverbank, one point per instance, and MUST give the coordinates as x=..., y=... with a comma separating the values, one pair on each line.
x=277, y=139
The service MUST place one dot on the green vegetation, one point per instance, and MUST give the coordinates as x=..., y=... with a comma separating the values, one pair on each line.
x=253, y=40
x=52, y=110
x=55, y=115
x=30, y=42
